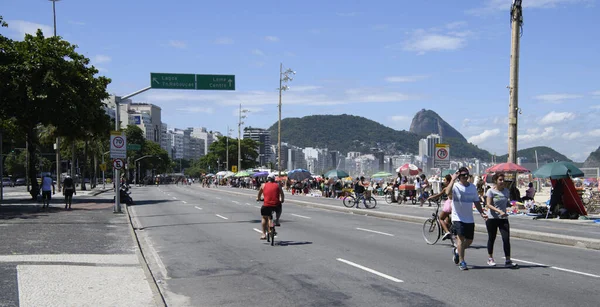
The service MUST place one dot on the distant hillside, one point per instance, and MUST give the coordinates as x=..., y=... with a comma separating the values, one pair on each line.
x=347, y=133
x=593, y=160
x=426, y=122
x=545, y=155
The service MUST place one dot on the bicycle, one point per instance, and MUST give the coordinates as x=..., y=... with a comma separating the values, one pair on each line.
x=351, y=201
x=432, y=229
x=271, y=232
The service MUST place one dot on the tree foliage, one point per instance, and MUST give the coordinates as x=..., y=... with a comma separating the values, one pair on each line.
x=44, y=81
x=216, y=159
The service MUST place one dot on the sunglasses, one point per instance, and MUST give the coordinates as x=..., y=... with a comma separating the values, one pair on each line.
x=463, y=175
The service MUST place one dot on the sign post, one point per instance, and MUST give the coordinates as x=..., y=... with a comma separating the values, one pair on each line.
x=118, y=151
x=441, y=158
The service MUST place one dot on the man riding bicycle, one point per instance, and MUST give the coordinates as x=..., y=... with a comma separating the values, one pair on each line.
x=273, y=198
x=359, y=191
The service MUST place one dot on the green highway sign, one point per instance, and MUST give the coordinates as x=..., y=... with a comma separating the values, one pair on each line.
x=215, y=82
x=134, y=147
x=173, y=81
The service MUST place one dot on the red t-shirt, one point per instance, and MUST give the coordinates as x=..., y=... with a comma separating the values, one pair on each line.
x=271, y=194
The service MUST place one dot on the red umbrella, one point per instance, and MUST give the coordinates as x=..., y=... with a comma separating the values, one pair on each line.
x=507, y=167
x=409, y=170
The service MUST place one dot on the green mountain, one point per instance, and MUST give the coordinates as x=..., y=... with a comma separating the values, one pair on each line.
x=545, y=154
x=593, y=160
x=347, y=133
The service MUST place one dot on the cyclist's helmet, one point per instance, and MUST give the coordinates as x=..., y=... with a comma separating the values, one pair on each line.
x=271, y=178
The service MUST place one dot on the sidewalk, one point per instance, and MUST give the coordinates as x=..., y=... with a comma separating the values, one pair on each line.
x=581, y=233
x=82, y=257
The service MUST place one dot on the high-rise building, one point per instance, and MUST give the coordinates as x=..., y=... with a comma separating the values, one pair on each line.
x=165, y=138
x=263, y=137
x=176, y=143
x=432, y=139
x=422, y=147
x=207, y=136
x=144, y=115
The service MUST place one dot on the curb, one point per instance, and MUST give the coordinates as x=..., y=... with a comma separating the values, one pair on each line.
x=514, y=232
x=159, y=299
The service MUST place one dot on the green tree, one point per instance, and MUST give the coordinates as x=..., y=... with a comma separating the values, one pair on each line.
x=45, y=81
x=217, y=152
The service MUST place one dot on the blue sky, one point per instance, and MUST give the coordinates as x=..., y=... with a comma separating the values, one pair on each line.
x=384, y=60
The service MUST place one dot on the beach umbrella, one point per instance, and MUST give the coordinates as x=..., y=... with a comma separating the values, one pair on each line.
x=507, y=167
x=381, y=175
x=409, y=169
x=242, y=174
x=336, y=173
x=260, y=174
x=558, y=170
x=299, y=174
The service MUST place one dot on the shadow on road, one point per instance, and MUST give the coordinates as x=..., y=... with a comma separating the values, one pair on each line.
x=502, y=267
x=291, y=243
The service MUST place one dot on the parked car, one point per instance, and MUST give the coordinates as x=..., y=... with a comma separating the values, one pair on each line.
x=6, y=182
x=20, y=181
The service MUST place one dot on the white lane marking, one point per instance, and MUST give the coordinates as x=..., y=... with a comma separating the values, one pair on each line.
x=559, y=269
x=369, y=270
x=257, y=230
x=235, y=202
x=183, y=201
x=257, y=207
x=161, y=266
x=174, y=197
x=168, y=194
x=379, y=232
x=219, y=198
x=302, y=216
x=197, y=207
x=222, y=217
x=248, y=204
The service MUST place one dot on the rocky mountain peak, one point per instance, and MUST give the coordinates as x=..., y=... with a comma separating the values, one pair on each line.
x=426, y=122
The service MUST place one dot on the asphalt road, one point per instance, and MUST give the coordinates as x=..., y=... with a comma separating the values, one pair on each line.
x=204, y=247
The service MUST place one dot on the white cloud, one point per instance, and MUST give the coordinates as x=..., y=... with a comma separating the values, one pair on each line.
x=236, y=112
x=23, y=27
x=594, y=133
x=101, y=58
x=486, y=134
x=556, y=117
x=348, y=14
x=400, y=118
x=197, y=110
x=492, y=6
x=272, y=38
x=177, y=44
x=556, y=98
x=258, y=98
x=402, y=79
x=224, y=41
x=547, y=134
x=455, y=25
x=258, y=52
x=596, y=106
x=101, y=69
x=304, y=88
x=572, y=135
x=596, y=94
x=422, y=41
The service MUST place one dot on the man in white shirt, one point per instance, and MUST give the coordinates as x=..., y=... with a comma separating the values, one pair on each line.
x=463, y=195
x=47, y=187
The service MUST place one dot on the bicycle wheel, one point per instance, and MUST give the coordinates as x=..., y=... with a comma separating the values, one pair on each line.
x=349, y=201
x=272, y=234
x=370, y=202
x=388, y=198
x=431, y=231
x=414, y=200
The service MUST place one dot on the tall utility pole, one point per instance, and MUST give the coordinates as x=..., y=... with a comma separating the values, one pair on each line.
x=284, y=77
x=58, y=168
x=240, y=123
x=227, y=148
x=516, y=14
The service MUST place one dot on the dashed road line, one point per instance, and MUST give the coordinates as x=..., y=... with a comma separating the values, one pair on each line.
x=557, y=268
x=219, y=198
x=235, y=202
x=225, y=218
x=197, y=207
x=394, y=279
x=302, y=216
x=374, y=231
x=174, y=197
x=248, y=204
x=257, y=207
x=255, y=229
x=183, y=201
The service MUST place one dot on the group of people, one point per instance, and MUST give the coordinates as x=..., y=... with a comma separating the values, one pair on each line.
x=461, y=196
x=48, y=189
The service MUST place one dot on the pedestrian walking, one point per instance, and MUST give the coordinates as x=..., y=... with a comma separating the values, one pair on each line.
x=463, y=195
x=68, y=191
x=48, y=189
x=497, y=199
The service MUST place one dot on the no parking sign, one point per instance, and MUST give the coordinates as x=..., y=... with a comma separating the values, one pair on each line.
x=441, y=158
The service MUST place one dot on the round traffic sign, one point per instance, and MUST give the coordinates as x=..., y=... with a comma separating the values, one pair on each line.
x=118, y=142
x=442, y=153
x=118, y=163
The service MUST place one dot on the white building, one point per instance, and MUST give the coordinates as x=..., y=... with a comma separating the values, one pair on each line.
x=208, y=137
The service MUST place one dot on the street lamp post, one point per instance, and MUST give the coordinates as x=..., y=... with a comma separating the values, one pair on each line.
x=240, y=123
x=58, y=168
x=227, y=148
x=137, y=163
x=284, y=77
